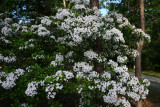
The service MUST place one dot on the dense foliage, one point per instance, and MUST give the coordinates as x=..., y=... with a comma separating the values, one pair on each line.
x=53, y=63
x=29, y=10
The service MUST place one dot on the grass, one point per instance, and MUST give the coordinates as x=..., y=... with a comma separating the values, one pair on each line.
x=151, y=73
x=154, y=96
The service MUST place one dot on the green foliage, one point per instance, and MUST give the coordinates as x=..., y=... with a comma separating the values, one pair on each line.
x=29, y=9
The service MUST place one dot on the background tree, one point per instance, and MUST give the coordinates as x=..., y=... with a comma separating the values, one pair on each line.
x=140, y=46
x=30, y=9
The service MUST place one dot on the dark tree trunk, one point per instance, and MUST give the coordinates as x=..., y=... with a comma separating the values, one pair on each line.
x=140, y=47
x=98, y=48
x=138, y=60
x=94, y=3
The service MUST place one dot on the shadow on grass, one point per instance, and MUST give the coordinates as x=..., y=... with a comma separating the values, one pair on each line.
x=154, y=96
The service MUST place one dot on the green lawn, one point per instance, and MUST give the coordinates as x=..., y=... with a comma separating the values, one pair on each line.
x=151, y=73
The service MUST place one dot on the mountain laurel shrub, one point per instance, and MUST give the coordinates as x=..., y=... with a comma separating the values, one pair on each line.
x=52, y=63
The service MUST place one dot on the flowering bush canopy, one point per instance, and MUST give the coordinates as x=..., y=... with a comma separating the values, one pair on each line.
x=55, y=59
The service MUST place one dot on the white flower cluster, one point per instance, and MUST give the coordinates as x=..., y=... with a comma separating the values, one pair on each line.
x=124, y=22
x=121, y=59
x=32, y=88
x=121, y=20
x=58, y=60
x=111, y=97
x=24, y=29
x=78, y=27
x=60, y=76
x=97, y=12
x=5, y=40
x=133, y=95
x=135, y=91
x=113, y=64
x=134, y=53
x=92, y=55
x=123, y=101
x=10, y=78
x=38, y=57
x=79, y=89
x=109, y=19
x=69, y=54
x=28, y=44
x=114, y=33
x=139, y=31
x=62, y=13
x=40, y=30
x=7, y=21
x=84, y=71
x=81, y=6
x=49, y=89
x=134, y=81
x=82, y=66
x=25, y=105
x=8, y=59
x=85, y=2
x=19, y=72
x=6, y=30
x=146, y=82
x=76, y=1
x=106, y=75
x=16, y=26
x=28, y=69
x=46, y=21
x=138, y=90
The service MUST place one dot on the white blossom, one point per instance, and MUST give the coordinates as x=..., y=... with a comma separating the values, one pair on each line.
x=42, y=31
x=32, y=89
x=82, y=66
x=6, y=30
x=45, y=20
x=121, y=59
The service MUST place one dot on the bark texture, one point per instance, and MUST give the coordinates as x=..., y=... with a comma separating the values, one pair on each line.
x=141, y=42
x=139, y=104
x=140, y=47
x=94, y=3
x=98, y=48
x=64, y=3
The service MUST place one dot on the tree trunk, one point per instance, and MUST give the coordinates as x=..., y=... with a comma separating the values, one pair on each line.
x=69, y=4
x=94, y=3
x=64, y=3
x=98, y=48
x=140, y=47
